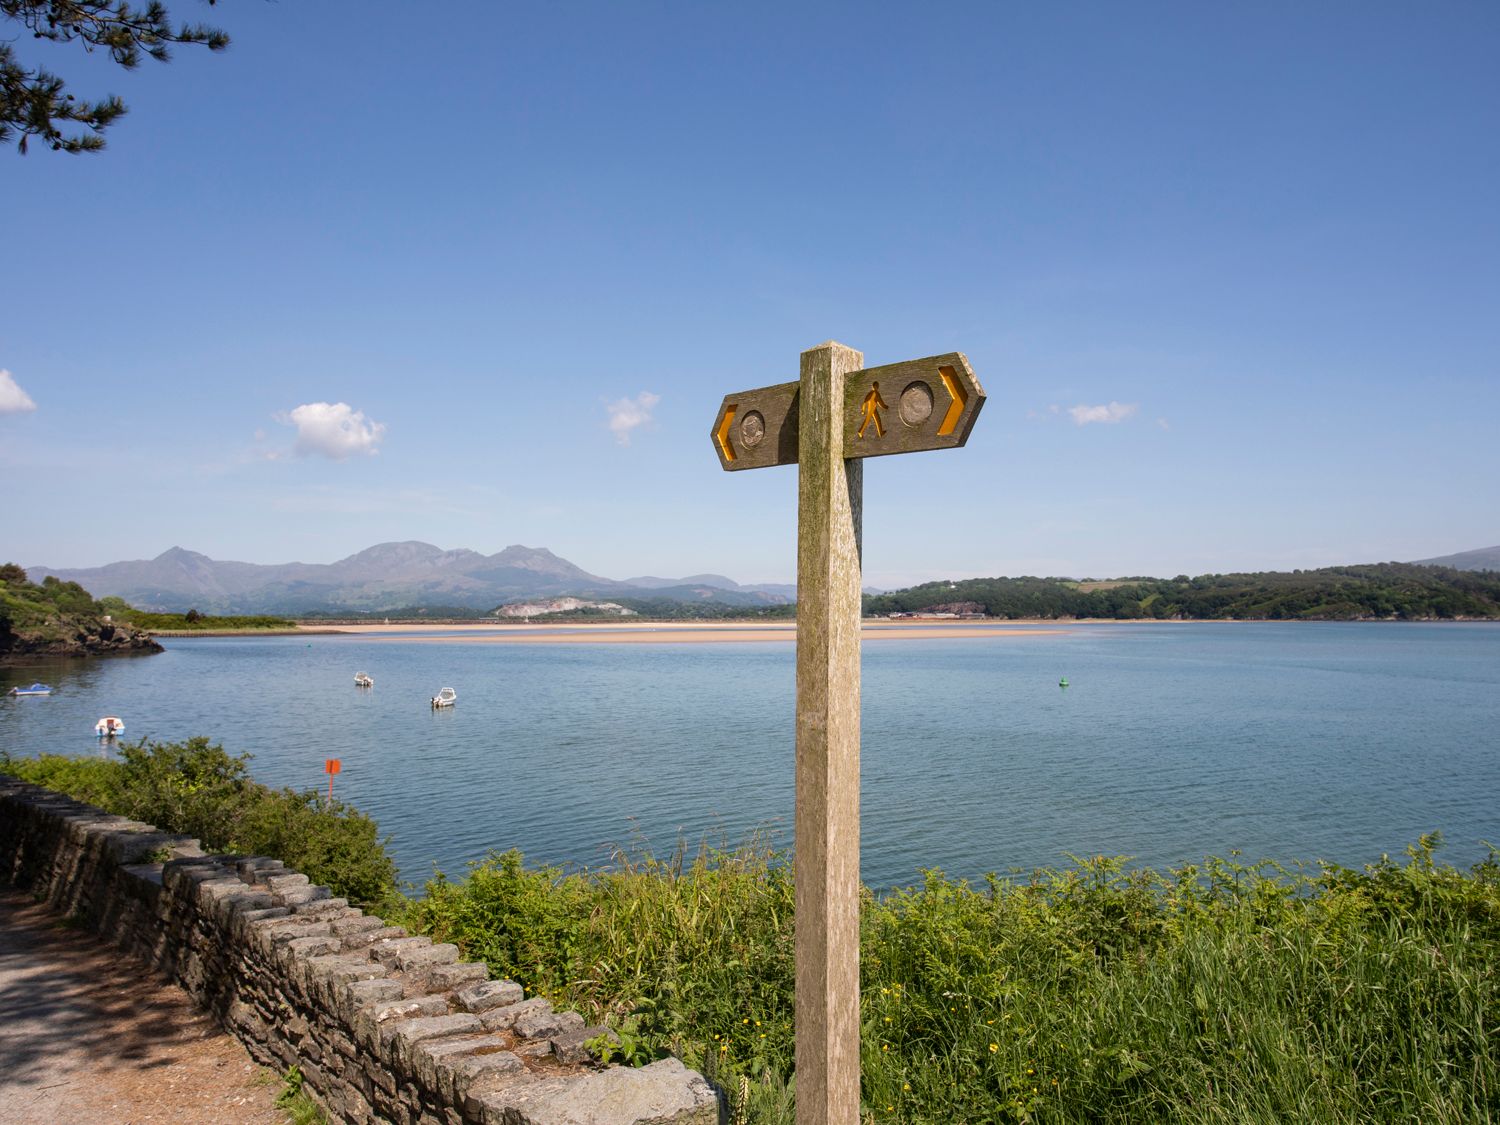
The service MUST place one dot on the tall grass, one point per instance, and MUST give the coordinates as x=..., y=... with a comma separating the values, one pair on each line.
x=1225, y=992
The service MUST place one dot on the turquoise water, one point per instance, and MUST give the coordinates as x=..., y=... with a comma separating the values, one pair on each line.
x=1287, y=741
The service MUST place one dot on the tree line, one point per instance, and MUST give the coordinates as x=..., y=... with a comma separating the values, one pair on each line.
x=1378, y=591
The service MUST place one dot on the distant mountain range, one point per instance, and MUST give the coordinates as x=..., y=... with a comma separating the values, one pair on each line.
x=1486, y=558
x=392, y=576
x=387, y=576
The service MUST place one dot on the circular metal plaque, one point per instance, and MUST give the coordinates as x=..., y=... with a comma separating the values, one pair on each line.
x=916, y=404
x=753, y=429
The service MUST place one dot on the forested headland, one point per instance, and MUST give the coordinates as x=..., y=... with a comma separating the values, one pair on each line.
x=1378, y=591
x=55, y=618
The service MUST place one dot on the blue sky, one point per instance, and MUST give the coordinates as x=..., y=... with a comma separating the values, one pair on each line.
x=1230, y=276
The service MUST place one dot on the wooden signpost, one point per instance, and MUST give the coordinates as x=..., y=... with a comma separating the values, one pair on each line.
x=835, y=415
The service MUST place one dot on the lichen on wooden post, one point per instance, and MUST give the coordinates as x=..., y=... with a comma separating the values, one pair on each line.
x=829, y=494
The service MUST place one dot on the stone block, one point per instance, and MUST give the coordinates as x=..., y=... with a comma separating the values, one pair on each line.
x=303, y=948
x=408, y=1033
x=250, y=902
x=429, y=1056
x=386, y=950
x=546, y=1024
x=363, y=993
x=282, y=930
x=664, y=1093
x=320, y=908
x=469, y=1074
x=243, y=927
x=258, y=868
x=570, y=1046
x=503, y=1019
x=294, y=896
x=408, y=1008
x=285, y=882
x=411, y=957
x=341, y=968
x=354, y=922
x=445, y=978
x=373, y=1023
x=490, y=994
x=368, y=939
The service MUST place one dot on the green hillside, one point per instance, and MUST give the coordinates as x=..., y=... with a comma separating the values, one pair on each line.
x=1380, y=591
x=59, y=619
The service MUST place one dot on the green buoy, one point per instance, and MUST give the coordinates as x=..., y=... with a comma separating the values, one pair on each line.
x=1063, y=682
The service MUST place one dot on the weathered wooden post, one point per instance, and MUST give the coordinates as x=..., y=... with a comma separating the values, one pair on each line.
x=826, y=423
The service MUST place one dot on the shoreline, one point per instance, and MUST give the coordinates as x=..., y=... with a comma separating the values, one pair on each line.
x=710, y=632
x=678, y=632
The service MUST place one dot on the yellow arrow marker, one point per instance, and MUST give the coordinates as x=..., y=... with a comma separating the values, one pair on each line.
x=722, y=437
x=959, y=396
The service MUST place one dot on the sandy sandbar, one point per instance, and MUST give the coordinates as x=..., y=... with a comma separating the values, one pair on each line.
x=678, y=632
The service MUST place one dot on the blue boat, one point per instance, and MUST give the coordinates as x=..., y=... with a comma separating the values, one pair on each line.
x=34, y=689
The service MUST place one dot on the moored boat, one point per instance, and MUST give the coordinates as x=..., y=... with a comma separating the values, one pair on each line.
x=34, y=689
x=445, y=698
x=109, y=726
x=363, y=679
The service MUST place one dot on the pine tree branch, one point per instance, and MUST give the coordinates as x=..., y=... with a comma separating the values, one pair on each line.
x=34, y=102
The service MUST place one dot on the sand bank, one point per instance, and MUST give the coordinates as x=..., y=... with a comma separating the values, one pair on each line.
x=679, y=632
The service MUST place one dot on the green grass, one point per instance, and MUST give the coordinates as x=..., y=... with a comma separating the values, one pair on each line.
x=1220, y=993
x=291, y=1099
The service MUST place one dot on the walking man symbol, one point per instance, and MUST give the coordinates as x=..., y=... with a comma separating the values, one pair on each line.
x=873, y=405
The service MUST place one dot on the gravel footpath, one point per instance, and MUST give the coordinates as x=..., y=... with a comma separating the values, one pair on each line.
x=90, y=1036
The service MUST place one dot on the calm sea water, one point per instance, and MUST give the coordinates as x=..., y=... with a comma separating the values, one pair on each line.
x=1285, y=741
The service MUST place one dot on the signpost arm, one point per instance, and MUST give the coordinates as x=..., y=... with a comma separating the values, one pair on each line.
x=829, y=501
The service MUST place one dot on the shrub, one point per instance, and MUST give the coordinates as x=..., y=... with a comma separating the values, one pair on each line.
x=198, y=789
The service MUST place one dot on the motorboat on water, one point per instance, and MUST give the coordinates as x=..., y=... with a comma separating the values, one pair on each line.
x=445, y=698
x=34, y=689
x=109, y=726
x=363, y=679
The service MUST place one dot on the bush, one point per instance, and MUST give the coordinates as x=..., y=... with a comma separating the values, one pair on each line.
x=198, y=789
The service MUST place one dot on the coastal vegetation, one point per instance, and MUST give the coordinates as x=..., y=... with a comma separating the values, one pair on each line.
x=196, y=788
x=192, y=621
x=1217, y=992
x=1221, y=991
x=1381, y=591
x=59, y=618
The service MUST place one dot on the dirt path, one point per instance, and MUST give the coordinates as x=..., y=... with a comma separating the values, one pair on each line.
x=90, y=1037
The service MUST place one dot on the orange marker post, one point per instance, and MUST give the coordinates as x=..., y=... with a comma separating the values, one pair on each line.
x=331, y=766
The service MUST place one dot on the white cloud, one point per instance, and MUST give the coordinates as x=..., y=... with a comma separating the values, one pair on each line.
x=1163, y=423
x=1114, y=412
x=13, y=400
x=627, y=413
x=333, y=429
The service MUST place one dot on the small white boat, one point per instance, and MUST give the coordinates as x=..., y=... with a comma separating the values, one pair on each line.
x=445, y=698
x=109, y=726
x=363, y=679
x=34, y=689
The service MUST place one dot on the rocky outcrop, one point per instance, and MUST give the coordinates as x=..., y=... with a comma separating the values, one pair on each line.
x=75, y=638
x=383, y=1026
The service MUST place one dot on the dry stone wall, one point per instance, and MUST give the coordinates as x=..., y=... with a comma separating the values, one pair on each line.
x=384, y=1027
